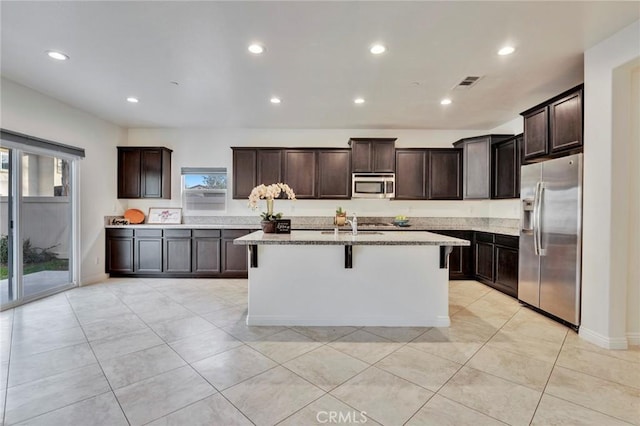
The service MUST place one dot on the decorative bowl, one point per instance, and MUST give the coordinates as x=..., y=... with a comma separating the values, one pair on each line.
x=401, y=222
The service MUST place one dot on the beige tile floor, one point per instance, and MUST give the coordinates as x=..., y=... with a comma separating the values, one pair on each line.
x=177, y=352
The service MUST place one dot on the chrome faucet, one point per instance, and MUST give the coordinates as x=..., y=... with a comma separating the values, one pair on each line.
x=354, y=225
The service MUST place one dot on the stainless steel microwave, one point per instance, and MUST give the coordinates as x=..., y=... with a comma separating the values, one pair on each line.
x=373, y=185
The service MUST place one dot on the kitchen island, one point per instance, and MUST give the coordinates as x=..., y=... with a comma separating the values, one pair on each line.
x=315, y=278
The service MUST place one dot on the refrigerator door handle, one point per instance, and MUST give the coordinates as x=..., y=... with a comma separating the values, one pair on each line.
x=538, y=233
x=535, y=218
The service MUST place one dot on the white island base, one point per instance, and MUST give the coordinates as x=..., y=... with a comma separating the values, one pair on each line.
x=387, y=285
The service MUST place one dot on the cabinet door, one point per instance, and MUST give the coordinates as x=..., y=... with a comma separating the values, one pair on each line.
x=269, y=166
x=506, y=169
x=445, y=174
x=206, y=251
x=484, y=260
x=507, y=270
x=234, y=257
x=151, y=175
x=148, y=255
x=177, y=254
x=536, y=133
x=128, y=173
x=383, y=157
x=361, y=154
x=300, y=172
x=119, y=257
x=460, y=259
x=244, y=172
x=410, y=177
x=565, y=120
x=477, y=158
x=334, y=173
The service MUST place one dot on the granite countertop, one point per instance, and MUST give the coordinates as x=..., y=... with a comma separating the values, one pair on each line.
x=345, y=238
x=495, y=226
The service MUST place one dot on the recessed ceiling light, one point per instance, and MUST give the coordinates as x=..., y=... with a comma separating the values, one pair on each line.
x=256, y=48
x=377, y=49
x=507, y=50
x=275, y=100
x=53, y=54
x=132, y=100
x=445, y=101
x=358, y=101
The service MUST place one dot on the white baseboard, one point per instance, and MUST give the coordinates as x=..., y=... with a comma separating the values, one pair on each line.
x=275, y=320
x=634, y=338
x=603, y=341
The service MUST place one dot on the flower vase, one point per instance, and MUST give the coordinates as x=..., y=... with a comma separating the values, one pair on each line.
x=269, y=226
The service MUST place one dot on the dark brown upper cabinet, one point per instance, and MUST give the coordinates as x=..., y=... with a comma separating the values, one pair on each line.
x=373, y=155
x=554, y=128
x=411, y=183
x=334, y=173
x=255, y=166
x=244, y=171
x=476, y=161
x=144, y=172
x=269, y=166
x=433, y=174
x=445, y=174
x=311, y=172
x=300, y=172
x=505, y=168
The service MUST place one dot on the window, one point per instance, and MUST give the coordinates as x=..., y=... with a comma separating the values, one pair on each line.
x=204, y=190
x=4, y=159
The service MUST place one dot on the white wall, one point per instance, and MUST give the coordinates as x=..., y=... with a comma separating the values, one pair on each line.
x=633, y=219
x=211, y=148
x=606, y=160
x=32, y=113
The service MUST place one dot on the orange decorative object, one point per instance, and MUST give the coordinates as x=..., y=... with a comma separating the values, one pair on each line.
x=135, y=216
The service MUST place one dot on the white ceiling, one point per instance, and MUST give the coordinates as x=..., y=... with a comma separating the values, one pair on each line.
x=317, y=59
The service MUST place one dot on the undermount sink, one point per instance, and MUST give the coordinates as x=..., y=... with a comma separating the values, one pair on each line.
x=350, y=233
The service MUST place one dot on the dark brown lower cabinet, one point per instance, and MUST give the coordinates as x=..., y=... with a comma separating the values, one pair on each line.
x=170, y=252
x=119, y=251
x=461, y=258
x=148, y=251
x=234, y=257
x=496, y=261
x=206, y=251
x=177, y=250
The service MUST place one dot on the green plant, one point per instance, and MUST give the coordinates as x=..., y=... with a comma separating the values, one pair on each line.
x=340, y=212
x=270, y=217
x=4, y=249
x=30, y=254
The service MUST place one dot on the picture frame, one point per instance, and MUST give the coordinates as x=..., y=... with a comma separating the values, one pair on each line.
x=165, y=215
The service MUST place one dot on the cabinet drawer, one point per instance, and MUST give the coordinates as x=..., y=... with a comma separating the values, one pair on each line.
x=235, y=233
x=507, y=241
x=211, y=233
x=120, y=232
x=148, y=233
x=484, y=237
x=177, y=233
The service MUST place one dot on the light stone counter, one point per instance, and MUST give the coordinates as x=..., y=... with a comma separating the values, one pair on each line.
x=364, y=237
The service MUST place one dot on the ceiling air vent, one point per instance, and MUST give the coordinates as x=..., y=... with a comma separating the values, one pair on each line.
x=467, y=83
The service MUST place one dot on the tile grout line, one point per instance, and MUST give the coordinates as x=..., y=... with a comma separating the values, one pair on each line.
x=98, y=362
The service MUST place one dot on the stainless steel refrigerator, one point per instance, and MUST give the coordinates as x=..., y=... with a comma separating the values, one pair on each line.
x=551, y=237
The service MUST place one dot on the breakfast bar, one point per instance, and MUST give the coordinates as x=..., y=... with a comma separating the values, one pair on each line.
x=322, y=278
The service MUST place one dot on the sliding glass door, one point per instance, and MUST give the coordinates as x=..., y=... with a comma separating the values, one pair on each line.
x=37, y=229
x=8, y=290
